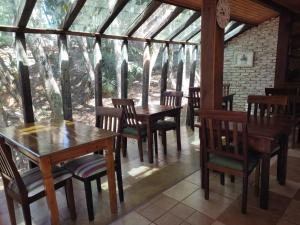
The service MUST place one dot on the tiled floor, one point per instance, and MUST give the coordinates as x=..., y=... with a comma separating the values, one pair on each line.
x=168, y=192
x=184, y=202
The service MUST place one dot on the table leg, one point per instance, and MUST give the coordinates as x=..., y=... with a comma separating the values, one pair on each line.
x=46, y=169
x=283, y=161
x=150, y=141
x=178, y=136
x=110, y=165
x=265, y=173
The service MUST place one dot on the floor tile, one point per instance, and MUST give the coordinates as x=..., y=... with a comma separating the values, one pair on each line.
x=254, y=216
x=168, y=219
x=297, y=195
x=185, y=223
x=212, y=207
x=181, y=190
x=165, y=202
x=199, y=219
x=288, y=190
x=217, y=223
x=194, y=178
x=284, y=222
x=294, y=153
x=132, y=218
x=229, y=189
x=182, y=211
x=152, y=212
x=292, y=214
x=293, y=169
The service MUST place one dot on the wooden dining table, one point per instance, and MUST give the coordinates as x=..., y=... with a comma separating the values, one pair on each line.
x=50, y=143
x=152, y=113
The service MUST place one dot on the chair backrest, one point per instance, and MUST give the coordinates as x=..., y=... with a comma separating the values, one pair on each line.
x=172, y=98
x=128, y=110
x=281, y=91
x=226, y=89
x=8, y=169
x=224, y=133
x=194, y=97
x=109, y=118
x=267, y=106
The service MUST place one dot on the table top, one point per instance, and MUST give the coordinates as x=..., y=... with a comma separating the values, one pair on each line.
x=154, y=109
x=44, y=138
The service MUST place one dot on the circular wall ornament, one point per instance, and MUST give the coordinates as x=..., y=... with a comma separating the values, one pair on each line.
x=223, y=13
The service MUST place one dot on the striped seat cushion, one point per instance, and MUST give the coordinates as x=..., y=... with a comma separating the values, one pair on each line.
x=33, y=180
x=87, y=166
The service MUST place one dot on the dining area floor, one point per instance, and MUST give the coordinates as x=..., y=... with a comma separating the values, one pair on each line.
x=168, y=192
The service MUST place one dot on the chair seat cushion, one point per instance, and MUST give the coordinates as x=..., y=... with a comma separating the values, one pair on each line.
x=87, y=166
x=165, y=125
x=133, y=130
x=253, y=159
x=33, y=180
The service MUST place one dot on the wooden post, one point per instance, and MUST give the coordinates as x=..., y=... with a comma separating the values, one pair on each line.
x=98, y=72
x=164, y=72
x=212, y=57
x=180, y=68
x=146, y=74
x=284, y=32
x=24, y=81
x=193, y=66
x=124, y=70
x=65, y=77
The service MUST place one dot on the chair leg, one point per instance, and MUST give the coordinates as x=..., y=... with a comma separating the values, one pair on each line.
x=222, y=178
x=124, y=146
x=120, y=183
x=244, y=194
x=70, y=199
x=257, y=180
x=98, y=182
x=164, y=141
x=294, y=137
x=140, y=146
x=155, y=143
x=206, y=183
x=192, y=119
x=232, y=179
x=11, y=209
x=26, y=213
x=89, y=199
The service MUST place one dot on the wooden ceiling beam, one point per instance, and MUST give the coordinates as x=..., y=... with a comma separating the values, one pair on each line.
x=180, y=29
x=153, y=6
x=72, y=14
x=24, y=13
x=115, y=12
x=270, y=4
x=173, y=15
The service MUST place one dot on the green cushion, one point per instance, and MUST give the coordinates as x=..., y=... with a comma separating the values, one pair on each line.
x=233, y=163
x=165, y=125
x=133, y=130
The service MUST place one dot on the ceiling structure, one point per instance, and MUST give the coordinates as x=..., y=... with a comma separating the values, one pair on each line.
x=168, y=21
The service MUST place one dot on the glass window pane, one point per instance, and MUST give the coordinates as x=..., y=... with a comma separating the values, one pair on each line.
x=177, y=22
x=196, y=38
x=49, y=14
x=155, y=20
x=92, y=15
x=190, y=29
x=127, y=16
x=8, y=11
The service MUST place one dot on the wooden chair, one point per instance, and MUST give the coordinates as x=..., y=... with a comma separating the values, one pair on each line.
x=29, y=187
x=226, y=88
x=194, y=105
x=132, y=128
x=270, y=106
x=93, y=167
x=170, y=98
x=225, y=148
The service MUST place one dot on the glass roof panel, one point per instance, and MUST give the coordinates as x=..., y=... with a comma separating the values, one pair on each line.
x=177, y=22
x=196, y=38
x=92, y=15
x=49, y=14
x=8, y=11
x=127, y=16
x=154, y=21
x=189, y=30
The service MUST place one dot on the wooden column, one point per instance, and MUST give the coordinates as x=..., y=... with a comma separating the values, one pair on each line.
x=284, y=32
x=193, y=66
x=98, y=72
x=124, y=70
x=164, y=72
x=146, y=74
x=180, y=68
x=212, y=57
x=24, y=81
x=65, y=77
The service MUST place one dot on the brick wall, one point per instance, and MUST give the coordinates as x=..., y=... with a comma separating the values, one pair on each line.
x=244, y=81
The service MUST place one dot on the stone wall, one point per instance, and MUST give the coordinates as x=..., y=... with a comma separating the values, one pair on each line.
x=244, y=81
